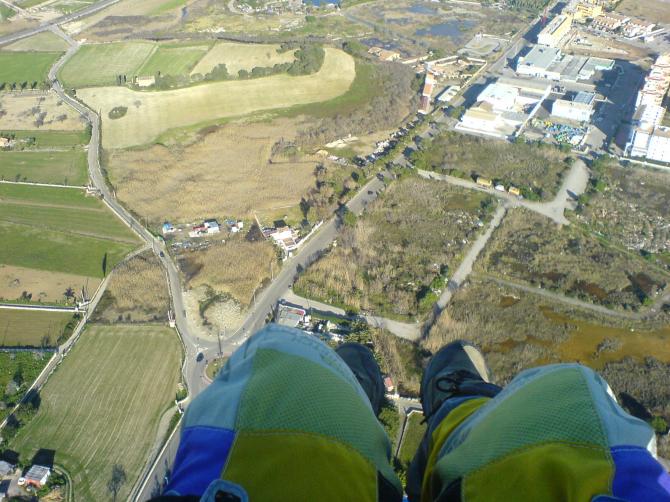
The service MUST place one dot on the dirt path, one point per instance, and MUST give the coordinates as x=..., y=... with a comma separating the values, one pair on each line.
x=572, y=187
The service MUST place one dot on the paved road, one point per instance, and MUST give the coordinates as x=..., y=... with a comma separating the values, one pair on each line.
x=573, y=185
x=406, y=330
x=12, y=37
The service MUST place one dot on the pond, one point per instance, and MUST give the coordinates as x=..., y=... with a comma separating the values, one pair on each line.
x=452, y=28
x=422, y=9
x=319, y=3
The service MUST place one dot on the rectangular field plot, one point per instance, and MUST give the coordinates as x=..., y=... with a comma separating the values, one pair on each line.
x=47, y=139
x=32, y=328
x=61, y=230
x=30, y=67
x=64, y=168
x=103, y=406
x=46, y=41
x=100, y=64
x=41, y=285
x=37, y=111
x=173, y=60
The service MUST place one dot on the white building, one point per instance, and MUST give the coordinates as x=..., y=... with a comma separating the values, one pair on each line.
x=504, y=107
x=649, y=138
x=538, y=61
x=580, y=108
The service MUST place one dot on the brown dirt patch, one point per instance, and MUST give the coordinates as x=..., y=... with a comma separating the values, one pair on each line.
x=657, y=11
x=43, y=285
x=229, y=173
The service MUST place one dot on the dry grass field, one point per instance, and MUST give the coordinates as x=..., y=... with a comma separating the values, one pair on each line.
x=31, y=328
x=237, y=267
x=137, y=292
x=241, y=56
x=214, y=176
x=656, y=11
x=42, y=42
x=44, y=286
x=103, y=406
x=152, y=113
x=22, y=112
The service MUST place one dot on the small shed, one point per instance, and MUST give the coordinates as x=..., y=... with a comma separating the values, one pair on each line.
x=37, y=476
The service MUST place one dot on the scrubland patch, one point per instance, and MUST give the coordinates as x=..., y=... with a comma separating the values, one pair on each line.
x=137, y=292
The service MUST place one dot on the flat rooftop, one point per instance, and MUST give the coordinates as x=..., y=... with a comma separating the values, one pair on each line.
x=540, y=56
x=585, y=98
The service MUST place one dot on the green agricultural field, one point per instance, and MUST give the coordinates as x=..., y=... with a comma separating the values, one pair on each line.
x=103, y=406
x=48, y=139
x=6, y=12
x=46, y=41
x=153, y=113
x=414, y=431
x=69, y=6
x=67, y=168
x=100, y=64
x=173, y=60
x=19, y=67
x=32, y=328
x=22, y=366
x=60, y=230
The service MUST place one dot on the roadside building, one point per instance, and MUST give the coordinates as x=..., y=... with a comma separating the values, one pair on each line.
x=212, y=226
x=291, y=316
x=579, y=108
x=586, y=10
x=388, y=385
x=426, y=94
x=37, y=476
x=610, y=21
x=168, y=228
x=283, y=236
x=145, y=81
x=555, y=31
x=637, y=28
x=514, y=191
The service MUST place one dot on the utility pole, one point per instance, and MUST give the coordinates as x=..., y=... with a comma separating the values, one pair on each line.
x=220, y=351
